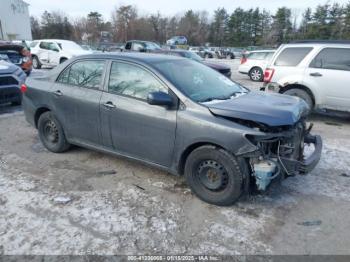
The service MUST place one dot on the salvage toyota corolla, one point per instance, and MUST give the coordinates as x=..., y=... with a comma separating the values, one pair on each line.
x=176, y=114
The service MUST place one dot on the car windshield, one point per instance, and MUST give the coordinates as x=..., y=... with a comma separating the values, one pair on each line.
x=152, y=46
x=69, y=45
x=197, y=81
x=193, y=56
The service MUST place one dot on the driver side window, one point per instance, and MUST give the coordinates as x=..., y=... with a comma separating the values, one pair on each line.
x=134, y=81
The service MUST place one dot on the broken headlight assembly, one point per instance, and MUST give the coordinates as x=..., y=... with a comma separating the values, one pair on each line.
x=282, y=153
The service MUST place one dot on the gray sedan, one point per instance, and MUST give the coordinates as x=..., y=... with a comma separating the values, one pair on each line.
x=175, y=114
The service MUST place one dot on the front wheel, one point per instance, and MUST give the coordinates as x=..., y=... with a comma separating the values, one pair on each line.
x=51, y=133
x=36, y=63
x=301, y=94
x=256, y=74
x=214, y=175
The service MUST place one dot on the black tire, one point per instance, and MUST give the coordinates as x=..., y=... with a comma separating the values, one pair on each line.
x=256, y=74
x=301, y=94
x=63, y=60
x=214, y=175
x=36, y=63
x=51, y=133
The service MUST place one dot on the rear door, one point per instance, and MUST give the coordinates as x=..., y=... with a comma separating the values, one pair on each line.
x=136, y=128
x=76, y=98
x=329, y=72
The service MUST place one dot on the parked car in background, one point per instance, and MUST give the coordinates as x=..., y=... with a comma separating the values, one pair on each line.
x=52, y=52
x=12, y=78
x=141, y=46
x=205, y=52
x=17, y=54
x=225, y=53
x=316, y=71
x=237, y=52
x=177, y=40
x=255, y=63
x=175, y=114
x=221, y=68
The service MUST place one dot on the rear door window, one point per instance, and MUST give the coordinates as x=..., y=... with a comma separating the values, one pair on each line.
x=332, y=58
x=292, y=56
x=84, y=73
x=257, y=56
x=134, y=81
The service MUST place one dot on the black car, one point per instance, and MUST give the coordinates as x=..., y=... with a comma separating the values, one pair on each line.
x=141, y=46
x=175, y=114
x=223, y=69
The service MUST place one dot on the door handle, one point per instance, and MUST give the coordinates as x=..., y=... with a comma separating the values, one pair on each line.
x=58, y=93
x=317, y=74
x=109, y=104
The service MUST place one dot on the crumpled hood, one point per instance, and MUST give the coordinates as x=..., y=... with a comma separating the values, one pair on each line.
x=7, y=68
x=270, y=109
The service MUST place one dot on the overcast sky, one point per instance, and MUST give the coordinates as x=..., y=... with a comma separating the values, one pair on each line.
x=166, y=7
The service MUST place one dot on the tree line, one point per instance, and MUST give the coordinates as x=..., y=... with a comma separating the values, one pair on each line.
x=240, y=28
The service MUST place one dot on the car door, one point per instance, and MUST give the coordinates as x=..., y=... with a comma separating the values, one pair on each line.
x=130, y=125
x=76, y=100
x=54, y=54
x=43, y=52
x=329, y=72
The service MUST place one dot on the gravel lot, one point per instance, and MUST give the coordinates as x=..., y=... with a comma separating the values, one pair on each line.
x=85, y=202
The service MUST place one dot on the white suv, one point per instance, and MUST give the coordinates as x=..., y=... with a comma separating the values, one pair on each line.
x=316, y=71
x=51, y=52
x=254, y=64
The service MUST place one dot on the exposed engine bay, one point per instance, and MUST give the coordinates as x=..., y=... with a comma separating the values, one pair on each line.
x=281, y=153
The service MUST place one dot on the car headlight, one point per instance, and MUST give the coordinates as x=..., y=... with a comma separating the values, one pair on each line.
x=26, y=59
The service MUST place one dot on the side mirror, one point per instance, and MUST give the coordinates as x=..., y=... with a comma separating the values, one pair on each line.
x=160, y=99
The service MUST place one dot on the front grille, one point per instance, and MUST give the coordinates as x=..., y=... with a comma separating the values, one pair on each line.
x=7, y=81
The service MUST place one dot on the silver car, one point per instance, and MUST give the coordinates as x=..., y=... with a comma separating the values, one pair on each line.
x=175, y=114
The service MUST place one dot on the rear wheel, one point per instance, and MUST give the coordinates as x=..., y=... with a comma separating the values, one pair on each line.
x=256, y=74
x=214, y=175
x=301, y=94
x=36, y=63
x=51, y=133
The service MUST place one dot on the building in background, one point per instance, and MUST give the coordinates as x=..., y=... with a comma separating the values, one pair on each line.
x=14, y=20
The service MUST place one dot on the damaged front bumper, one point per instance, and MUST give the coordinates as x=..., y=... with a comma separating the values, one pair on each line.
x=306, y=165
x=285, y=155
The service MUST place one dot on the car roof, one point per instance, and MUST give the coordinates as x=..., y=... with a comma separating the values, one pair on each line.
x=54, y=40
x=263, y=51
x=132, y=56
x=318, y=44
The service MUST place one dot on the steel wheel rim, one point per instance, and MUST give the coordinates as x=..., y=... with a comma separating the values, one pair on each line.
x=50, y=131
x=35, y=63
x=212, y=175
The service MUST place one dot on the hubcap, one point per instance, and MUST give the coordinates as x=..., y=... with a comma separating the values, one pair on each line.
x=256, y=75
x=212, y=175
x=51, y=132
x=35, y=63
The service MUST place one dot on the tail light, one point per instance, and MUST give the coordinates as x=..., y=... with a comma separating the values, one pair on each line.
x=24, y=88
x=268, y=75
x=243, y=60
